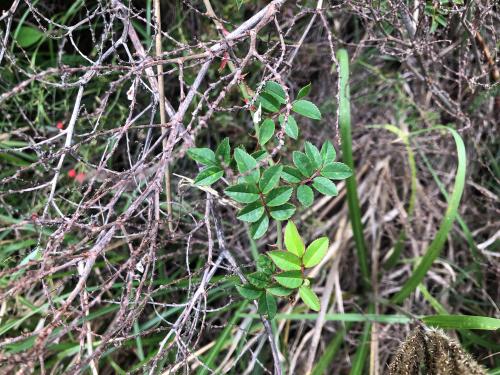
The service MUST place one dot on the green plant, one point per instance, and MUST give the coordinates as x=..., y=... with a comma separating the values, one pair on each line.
x=265, y=188
x=281, y=272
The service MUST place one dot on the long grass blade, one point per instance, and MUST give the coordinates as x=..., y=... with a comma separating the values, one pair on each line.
x=346, y=136
x=462, y=322
x=436, y=245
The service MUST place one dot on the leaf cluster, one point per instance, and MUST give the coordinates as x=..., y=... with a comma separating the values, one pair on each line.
x=282, y=272
x=266, y=191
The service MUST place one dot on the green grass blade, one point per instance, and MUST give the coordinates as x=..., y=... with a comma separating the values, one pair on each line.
x=462, y=322
x=436, y=245
x=352, y=194
x=347, y=317
x=359, y=361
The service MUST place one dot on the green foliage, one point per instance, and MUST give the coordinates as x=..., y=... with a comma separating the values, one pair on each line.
x=281, y=272
x=265, y=189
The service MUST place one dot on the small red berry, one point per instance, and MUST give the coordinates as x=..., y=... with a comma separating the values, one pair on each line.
x=60, y=125
x=71, y=173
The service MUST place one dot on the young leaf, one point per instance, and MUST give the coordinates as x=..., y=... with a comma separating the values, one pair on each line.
x=203, y=155
x=251, y=212
x=267, y=305
x=302, y=162
x=289, y=279
x=328, y=153
x=309, y=298
x=291, y=175
x=315, y=252
x=223, y=152
x=270, y=178
x=279, y=291
x=285, y=260
x=304, y=91
x=259, y=228
x=208, y=176
x=313, y=154
x=259, y=279
x=275, y=89
x=266, y=131
x=336, y=171
x=243, y=193
x=248, y=291
x=293, y=241
x=291, y=127
x=325, y=186
x=307, y=109
x=283, y=212
x=305, y=195
x=245, y=163
x=279, y=196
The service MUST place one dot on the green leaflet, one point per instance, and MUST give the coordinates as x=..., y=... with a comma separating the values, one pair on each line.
x=325, y=186
x=305, y=195
x=290, y=279
x=309, y=298
x=203, y=155
x=291, y=127
x=243, y=193
x=285, y=260
x=291, y=175
x=328, y=153
x=283, y=212
x=270, y=178
x=266, y=131
x=208, y=176
x=315, y=252
x=307, y=109
x=336, y=171
x=302, y=163
x=251, y=212
x=304, y=91
x=249, y=292
x=279, y=196
x=313, y=155
x=259, y=228
x=293, y=241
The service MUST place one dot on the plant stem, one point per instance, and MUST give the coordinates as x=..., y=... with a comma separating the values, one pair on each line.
x=163, y=117
x=279, y=234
